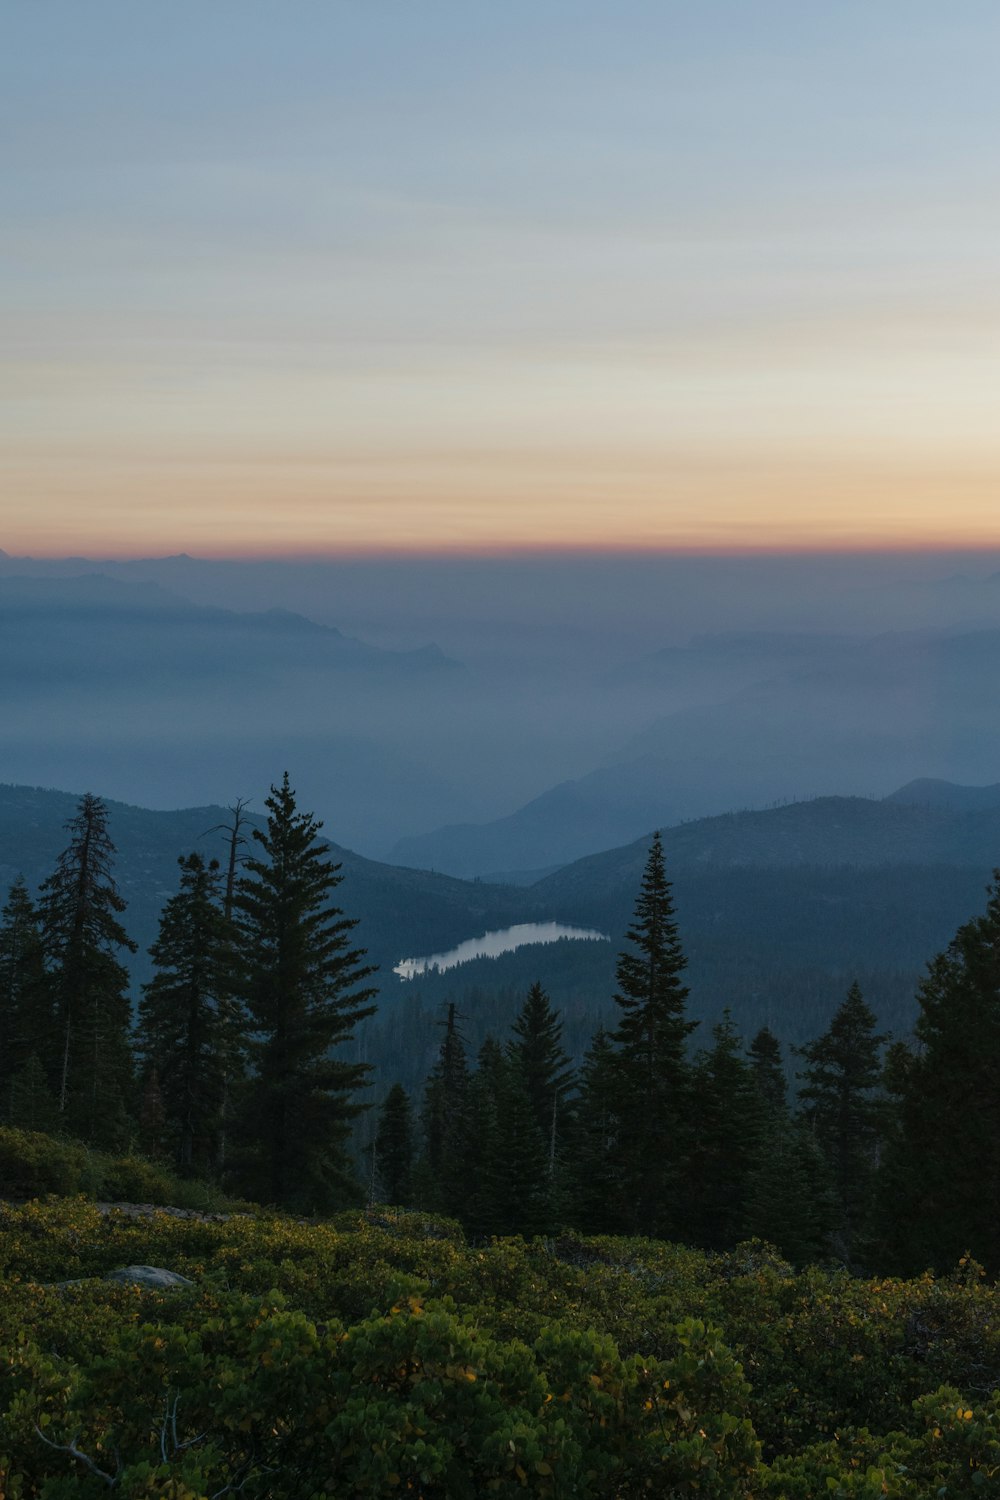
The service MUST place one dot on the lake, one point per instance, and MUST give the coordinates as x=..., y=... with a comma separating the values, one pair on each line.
x=492, y=944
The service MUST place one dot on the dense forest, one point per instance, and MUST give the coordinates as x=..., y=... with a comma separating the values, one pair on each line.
x=668, y=1268
x=239, y=1069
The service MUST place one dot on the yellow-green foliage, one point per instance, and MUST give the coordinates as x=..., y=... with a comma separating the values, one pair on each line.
x=32, y=1164
x=381, y=1356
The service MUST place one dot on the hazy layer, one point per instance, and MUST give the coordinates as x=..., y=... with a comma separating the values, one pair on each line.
x=576, y=702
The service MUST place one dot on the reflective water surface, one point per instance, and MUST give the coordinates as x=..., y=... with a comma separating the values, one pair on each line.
x=491, y=944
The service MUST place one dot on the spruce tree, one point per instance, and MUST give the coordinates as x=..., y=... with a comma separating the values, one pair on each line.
x=31, y=1103
x=545, y=1068
x=444, y=1119
x=25, y=1005
x=788, y=1195
x=842, y=1102
x=654, y=1105
x=394, y=1147
x=186, y=1022
x=304, y=987
x=769, y=1071
x=728, y=1110
x=508, y=1169
x=80, y=907
x=939, y=1188
x=482, y=1207
x=152, y=1118
x=596, y=1204
x=233, y=1069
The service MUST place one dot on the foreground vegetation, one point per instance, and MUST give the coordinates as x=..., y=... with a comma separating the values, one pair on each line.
x=380, y=1355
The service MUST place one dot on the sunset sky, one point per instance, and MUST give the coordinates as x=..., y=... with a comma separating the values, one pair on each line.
x=325, y=276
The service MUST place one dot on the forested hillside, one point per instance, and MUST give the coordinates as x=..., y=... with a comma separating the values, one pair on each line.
x=248, y=1063
x=780, y=909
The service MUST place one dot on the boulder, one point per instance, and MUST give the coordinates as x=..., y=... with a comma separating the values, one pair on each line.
x=154, y=1278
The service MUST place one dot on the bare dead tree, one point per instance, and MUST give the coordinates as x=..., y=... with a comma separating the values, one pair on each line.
x=111, y=1480
x=236, y=841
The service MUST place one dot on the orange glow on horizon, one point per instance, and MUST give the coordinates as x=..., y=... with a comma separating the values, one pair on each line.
x=242, y=510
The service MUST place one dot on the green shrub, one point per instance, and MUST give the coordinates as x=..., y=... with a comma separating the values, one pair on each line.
x=33, y=1165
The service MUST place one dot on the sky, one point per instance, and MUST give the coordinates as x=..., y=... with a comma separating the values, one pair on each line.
x=324, y=277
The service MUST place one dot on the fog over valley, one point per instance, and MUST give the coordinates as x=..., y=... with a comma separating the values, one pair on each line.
x=499, y=717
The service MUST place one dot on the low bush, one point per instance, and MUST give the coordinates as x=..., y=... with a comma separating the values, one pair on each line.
x=33, y=1165
x=378, y=1355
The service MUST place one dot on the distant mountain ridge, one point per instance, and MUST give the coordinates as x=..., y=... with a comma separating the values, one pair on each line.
x=777, y=909
x=929, y=791
x=400, y=910
x=823, y=833
x=798, y=715
x=129, y=686
x=98, y=600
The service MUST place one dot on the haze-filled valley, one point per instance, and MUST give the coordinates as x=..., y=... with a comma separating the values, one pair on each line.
x=500, y=717
x=491, y=743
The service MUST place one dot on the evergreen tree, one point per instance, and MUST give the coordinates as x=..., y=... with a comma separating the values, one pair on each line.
x=728, y=1112
x=482, y=1207
x=842, y=1102
x=940, y=1185
x=185, y=1020
x=788, y=1195
x=545, y=1068
x=596, y=1204
x=508, y=1175
x=25, y=1008
x=152, y=1118
x=394, y=1147
x=229, y=1004
x=444, y=1118
x=769, y=1071
x=654, y=1078
x=304, y=989
x=32, y=1105
x=80, y=908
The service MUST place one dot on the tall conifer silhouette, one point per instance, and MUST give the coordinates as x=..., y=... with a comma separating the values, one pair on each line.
x=80, y=907
x=653, y=1074
x=305, y=990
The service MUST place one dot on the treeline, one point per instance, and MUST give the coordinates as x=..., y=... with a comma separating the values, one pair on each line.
x=232, y=1069
x=887, y=1158
x=236, y=1070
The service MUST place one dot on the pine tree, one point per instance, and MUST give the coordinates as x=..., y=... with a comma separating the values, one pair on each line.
x=229, y=1004
x=80, y=907
x=545, y=1068
x=152, y=1118
x=939, y=1189
x=444, y=1119
x=394, y=1147
x=654, y=1077
x=482, y=1205
x=768, y=1071
x=25, y=1004
x=788, y=1193
x=728, y=1111
x=841, y=1101
x=508, y=1173
x=596, y=1204
x=32, y=1104
x=304, y=989
x=185, y=1018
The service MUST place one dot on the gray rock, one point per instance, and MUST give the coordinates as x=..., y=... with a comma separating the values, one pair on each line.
x=155, y=1278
